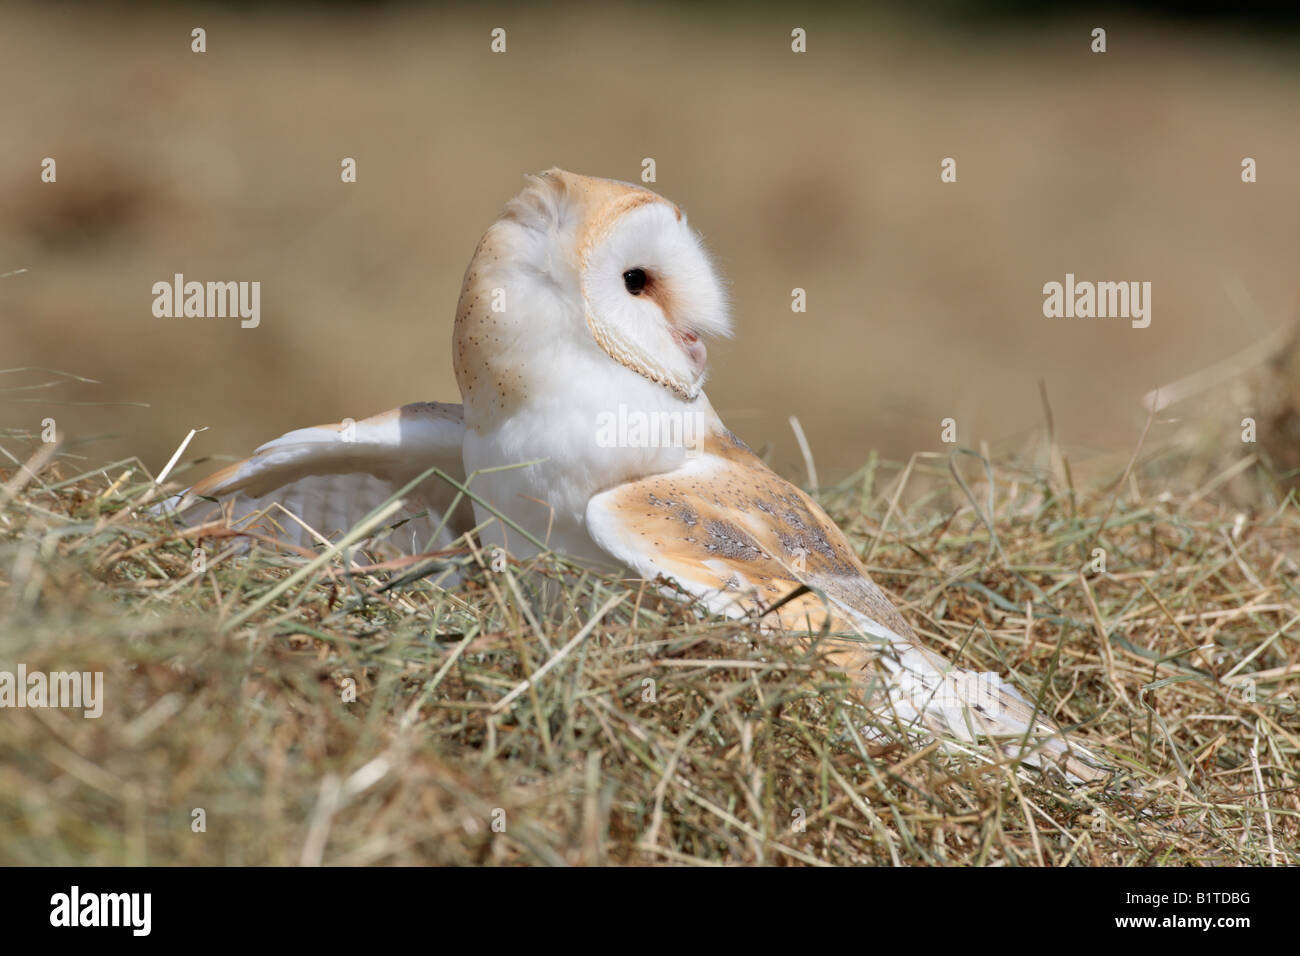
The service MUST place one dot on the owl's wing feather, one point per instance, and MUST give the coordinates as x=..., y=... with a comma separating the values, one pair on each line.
x=743, y=541
x=332, y=476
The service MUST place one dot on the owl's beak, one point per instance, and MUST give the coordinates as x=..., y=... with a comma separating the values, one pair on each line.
x=694, y=348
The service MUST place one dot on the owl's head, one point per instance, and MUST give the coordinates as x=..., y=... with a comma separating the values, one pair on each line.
x=577, y=264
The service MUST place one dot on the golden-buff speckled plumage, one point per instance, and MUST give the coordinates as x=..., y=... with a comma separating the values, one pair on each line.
x=738, y=527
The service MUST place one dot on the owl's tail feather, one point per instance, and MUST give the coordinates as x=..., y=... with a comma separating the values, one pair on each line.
x=932, y=695
x=970, y=706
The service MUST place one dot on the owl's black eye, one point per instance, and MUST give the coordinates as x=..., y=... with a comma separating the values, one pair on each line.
x=634, y=280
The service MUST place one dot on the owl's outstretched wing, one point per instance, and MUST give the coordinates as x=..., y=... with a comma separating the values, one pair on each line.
x=746, y=542
x=332, y=476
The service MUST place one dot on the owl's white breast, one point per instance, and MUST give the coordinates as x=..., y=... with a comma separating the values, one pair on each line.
x=597, y=425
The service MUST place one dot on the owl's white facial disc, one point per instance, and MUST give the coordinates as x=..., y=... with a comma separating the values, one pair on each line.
x=650, y=293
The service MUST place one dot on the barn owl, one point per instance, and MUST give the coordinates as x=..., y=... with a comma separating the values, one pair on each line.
x=579, y=349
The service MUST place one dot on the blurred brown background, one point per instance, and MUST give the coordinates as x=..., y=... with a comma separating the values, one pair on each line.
x=818, y=170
